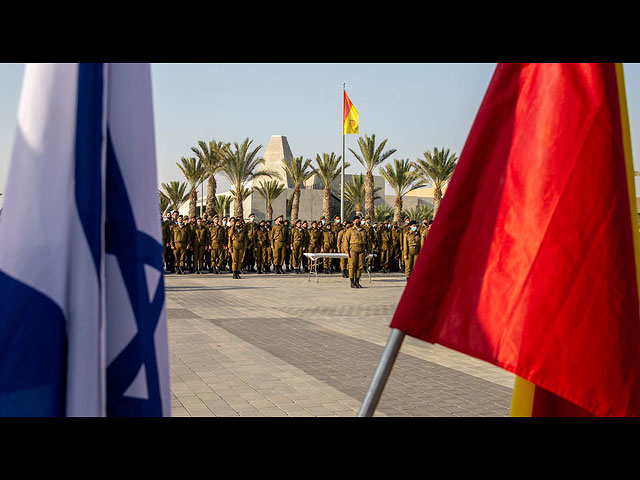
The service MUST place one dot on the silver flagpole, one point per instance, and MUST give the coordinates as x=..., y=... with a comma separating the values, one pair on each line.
x=381, y=374
x=342, y=170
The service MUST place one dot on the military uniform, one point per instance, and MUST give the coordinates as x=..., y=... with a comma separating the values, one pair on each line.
x=260, y=249
x=217, y=242
x=297, y=247
x=357, y=244
x=237, y=245
x=328, y=242
x=249, y=259
x=278, y=238
x=200, y=244
x=167, y=253
x=412, y=243
x=180, y=241
x=386, y=248
x=341, y=249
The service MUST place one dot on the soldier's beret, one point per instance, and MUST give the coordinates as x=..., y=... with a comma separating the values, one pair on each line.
x=412, y=222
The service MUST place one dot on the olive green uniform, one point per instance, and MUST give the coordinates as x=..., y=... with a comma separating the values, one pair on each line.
x=249, y=259
x=412, y=241
x=200, y=244
x=341, y=249
x=328, y=245
x=261, y=248
x=237, y=245
x=297, y=247
x=217, y=241
x=278, y=238
x=167, y=253
x=357, y=244
x=386, y=248
x=180, y=240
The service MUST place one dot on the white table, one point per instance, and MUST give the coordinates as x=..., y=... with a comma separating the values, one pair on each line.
x=315, y=258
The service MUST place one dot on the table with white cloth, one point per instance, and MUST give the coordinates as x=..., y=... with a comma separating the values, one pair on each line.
x=314, y=259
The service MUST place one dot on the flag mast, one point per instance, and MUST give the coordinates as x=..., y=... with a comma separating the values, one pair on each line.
x=381, y=374
x=342, y=169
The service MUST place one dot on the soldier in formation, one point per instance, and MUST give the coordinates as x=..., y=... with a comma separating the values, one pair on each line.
x=216, y=244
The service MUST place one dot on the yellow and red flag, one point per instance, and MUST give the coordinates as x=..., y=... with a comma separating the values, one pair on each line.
x=350, y=115
x=532, y=261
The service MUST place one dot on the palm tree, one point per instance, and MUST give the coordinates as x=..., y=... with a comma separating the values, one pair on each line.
x=211, y=155
x=371, y=157
x=354, y=192
x=299, y=171
x=419, y=212
x=164, y=202
x=328, y=168
x=221, y=205
x=382, y=212
x=436, y=169
x=403, y=179
x=195, y=173
x=240, y=166
x=270, y=190
x=244, y=194
x=176, y=192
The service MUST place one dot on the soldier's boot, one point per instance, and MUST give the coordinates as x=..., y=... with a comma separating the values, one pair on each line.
x=345, y=274
x=357, y=280
x=238, y=274
x=178, y=270
x=353, y=283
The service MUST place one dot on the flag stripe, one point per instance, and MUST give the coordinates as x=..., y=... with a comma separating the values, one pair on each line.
x=88, y=154
x=347, y=107
x=626, y=140
x=33, y=352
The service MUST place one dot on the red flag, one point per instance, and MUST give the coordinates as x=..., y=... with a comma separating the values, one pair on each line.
x=531, y=262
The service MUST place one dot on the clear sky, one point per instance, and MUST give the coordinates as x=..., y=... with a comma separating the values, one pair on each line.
x=416, y=106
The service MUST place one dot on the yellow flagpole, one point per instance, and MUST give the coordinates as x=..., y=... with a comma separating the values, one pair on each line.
x=631, y=187
x=522, y=398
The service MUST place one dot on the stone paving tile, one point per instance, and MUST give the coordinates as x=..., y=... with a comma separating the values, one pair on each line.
x=286, y=346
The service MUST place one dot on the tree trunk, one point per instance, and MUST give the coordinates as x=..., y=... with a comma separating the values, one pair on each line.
x=295, y=203
x=269, y=211
x=326, y=205
x=368, y=194
x=193, y=200
x=437, y=198
x=397, y=213
x=238, y=210
x=211, y=196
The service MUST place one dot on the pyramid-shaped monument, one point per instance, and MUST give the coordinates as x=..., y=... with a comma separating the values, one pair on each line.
x=277, y=149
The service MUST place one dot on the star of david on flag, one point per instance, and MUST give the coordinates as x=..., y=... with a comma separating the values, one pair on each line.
x=83, y=328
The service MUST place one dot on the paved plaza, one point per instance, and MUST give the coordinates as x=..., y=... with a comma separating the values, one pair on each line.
x=286, y=346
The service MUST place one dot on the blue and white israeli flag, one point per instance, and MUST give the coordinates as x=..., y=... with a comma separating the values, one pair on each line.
x=83, y=327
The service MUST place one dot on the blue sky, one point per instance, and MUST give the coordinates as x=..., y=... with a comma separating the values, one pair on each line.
x=415, y=106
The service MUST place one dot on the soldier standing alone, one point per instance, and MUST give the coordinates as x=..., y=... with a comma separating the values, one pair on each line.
x=357, y=244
